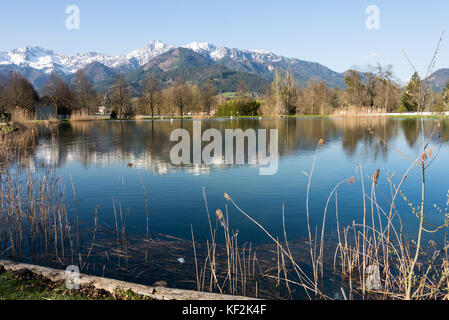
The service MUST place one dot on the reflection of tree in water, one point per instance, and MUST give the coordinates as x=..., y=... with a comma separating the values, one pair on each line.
x=356, y=130
x=304, y=134
x=104, y=141
x=411, y=130
x=18, y=146
x=147, y=143
x=444, y=131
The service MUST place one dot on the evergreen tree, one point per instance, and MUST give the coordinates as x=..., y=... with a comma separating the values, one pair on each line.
x=410, y=98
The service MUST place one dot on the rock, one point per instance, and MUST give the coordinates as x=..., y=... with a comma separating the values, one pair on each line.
x=161, y=283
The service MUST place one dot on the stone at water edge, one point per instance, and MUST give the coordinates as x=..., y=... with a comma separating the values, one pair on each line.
x=161, y=283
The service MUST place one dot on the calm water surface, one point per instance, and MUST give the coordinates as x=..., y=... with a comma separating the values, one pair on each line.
x=96, y=155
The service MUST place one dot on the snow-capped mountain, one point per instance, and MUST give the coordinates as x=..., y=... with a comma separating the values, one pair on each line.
x=48, y=61
x=218, y=53
x=80, y=61
x=37, y=63
x=33, y=57
x=264, y=63
x=149, y=52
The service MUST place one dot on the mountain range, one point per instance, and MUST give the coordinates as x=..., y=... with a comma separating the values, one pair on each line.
x=196, y=62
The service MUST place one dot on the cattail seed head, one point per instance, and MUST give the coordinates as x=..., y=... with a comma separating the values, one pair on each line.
x=376, y=177
x=423, y=156
x=219, y=214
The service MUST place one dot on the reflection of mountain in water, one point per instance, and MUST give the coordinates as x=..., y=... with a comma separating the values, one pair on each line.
x=147, y=145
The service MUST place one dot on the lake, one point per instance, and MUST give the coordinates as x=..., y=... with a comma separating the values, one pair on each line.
x=97, y=154
x=113, y=163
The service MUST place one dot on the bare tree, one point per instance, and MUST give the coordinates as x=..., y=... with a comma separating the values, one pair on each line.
x=20, y=92
x=276, y=92
x=59, y=94
x=242, y=90
x=120, y=95
x=355, y=89
x=388, y=90
x=151, y=93
x=83, y=90
x=282, y=95
x=289, y=93
x=208, y=96
x=181, y=95
x=3, y=97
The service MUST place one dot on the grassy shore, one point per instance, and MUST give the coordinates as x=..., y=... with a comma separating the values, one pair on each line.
x=6, y=128
x=25, y=285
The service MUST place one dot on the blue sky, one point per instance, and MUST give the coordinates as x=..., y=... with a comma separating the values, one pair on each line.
x=330, y=32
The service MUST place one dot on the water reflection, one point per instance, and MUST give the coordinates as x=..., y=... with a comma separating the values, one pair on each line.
x=146, y=144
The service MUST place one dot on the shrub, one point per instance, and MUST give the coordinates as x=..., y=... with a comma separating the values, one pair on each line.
x=239, y=107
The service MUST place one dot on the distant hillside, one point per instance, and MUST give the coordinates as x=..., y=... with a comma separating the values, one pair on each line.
x=97, y=72
x=37, y=77
x=264, y=63
x=194, y=68
x=438, y=79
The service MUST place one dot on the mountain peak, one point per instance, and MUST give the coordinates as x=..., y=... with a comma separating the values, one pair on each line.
x=260, y=51
x=156, y=44
x=149, y=52
x=34, y=57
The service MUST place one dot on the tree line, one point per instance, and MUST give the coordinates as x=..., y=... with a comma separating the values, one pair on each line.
x=16, y=92
x=376, y=90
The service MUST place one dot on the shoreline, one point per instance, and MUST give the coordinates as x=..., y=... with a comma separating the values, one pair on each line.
x=412, y=115
x=335, y=115
x=112, y=285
